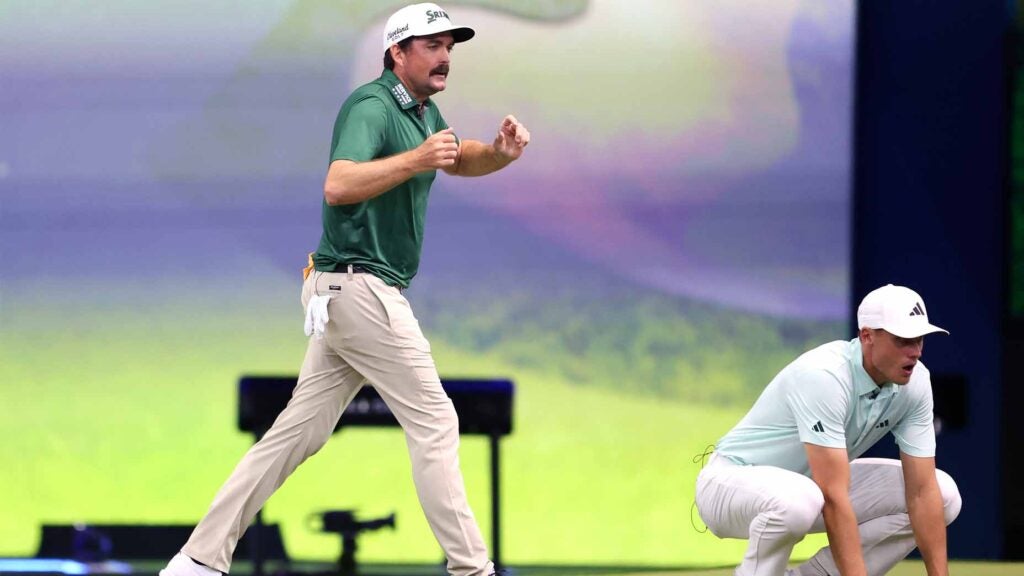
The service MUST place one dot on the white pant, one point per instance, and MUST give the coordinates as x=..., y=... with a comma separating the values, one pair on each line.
x=371, y=336
x=775, y=508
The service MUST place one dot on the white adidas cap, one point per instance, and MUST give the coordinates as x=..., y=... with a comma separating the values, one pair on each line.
x=422, y=20
x=897, y=310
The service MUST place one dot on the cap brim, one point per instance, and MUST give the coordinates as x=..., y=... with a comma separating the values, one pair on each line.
x=917, y=331
x=461, y=34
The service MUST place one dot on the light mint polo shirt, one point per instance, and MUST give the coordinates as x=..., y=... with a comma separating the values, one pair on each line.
x=383, y=234
x=826, y=398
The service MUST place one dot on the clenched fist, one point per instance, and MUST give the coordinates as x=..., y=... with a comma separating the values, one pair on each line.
x=439, y=151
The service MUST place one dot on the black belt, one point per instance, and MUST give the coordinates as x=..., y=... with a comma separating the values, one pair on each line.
x=359, y=269
x=341, y=268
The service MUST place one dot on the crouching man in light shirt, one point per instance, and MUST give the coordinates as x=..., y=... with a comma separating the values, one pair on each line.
x=791, y=466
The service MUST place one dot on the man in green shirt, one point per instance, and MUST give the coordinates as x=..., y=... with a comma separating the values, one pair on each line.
x=792, y=465
x=389, y=140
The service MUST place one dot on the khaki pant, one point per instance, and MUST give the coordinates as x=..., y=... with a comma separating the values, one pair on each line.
x=774, y=508
x=372, y=336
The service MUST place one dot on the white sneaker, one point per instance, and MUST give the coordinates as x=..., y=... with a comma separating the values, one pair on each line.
x=182, y=565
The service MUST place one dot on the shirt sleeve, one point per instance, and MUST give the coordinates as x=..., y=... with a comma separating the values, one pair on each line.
x=915, y=433
x=819, y=405
x=359, y=131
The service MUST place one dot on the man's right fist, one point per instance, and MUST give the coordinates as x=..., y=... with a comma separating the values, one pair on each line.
x=440, y=150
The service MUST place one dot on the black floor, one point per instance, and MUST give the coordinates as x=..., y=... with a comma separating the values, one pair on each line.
x=28, y=566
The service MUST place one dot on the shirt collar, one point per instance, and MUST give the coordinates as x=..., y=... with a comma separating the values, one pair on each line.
x=399, y=92
x=862, y=380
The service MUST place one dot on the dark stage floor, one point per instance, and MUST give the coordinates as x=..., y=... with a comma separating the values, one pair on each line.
x=150, y=568
x=23, y=566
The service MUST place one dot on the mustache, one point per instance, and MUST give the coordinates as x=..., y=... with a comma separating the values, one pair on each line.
x=442, y=69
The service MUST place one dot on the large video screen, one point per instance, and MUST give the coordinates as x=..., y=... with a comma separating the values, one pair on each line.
x=677, y=231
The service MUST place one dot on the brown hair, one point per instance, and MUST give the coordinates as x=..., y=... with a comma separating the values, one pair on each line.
x=389, y=62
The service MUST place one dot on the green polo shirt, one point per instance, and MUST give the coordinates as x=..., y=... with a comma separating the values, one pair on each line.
x=383, y=234
x=826, y=398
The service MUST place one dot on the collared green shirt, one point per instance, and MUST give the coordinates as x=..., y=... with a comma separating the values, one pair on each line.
x=383, y=234
x=826, y=398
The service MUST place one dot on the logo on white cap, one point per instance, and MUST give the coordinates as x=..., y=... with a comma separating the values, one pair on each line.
x=897, y=310
x=422, y=20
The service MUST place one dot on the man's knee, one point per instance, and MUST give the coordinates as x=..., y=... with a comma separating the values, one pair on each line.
x=798, y=510
x=951, y=501
x=435, y=424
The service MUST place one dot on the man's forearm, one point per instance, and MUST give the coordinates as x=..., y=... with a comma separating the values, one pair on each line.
x=843, y=537
x=926, y=518
x=354, y=182
x=477, y=159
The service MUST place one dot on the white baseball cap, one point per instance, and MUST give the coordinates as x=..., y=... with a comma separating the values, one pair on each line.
x=897, y=310
x=422, y=20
